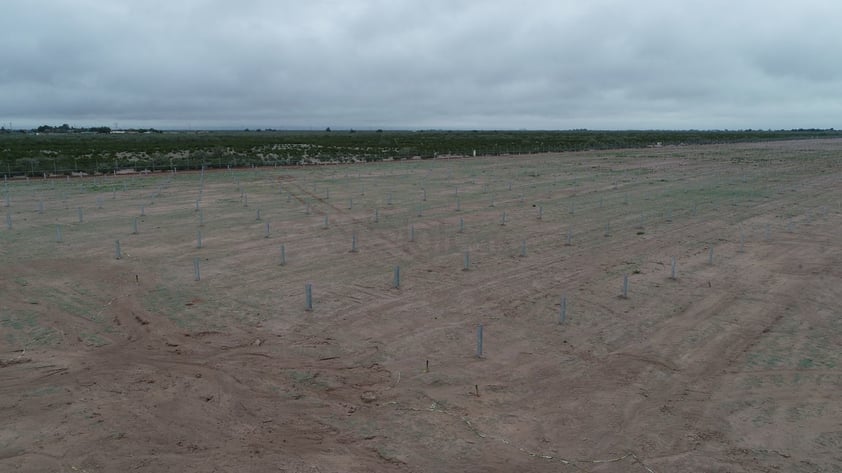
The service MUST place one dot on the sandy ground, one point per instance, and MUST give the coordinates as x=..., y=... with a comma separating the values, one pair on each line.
x=131, y=365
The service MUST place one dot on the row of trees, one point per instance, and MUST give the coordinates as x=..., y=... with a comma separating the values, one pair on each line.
x=65, y=128
x=103, y=152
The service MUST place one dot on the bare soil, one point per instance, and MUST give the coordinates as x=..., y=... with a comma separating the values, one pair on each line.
x=130, y=364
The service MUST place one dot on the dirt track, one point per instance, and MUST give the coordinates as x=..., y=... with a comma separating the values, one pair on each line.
x=131, y=365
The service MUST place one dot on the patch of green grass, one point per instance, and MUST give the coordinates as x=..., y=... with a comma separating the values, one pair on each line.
x=93, y=339
x=164, y=300
x=24, y=329
x=301, y=376
x=20, y=321
x=764, y=416
x=42, y=391
x=805, y=411
x=831, y=440
x=388, y=454
x=74, y=303
x=308, y=378
x=43, y=336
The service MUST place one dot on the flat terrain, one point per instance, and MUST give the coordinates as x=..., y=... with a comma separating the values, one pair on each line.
x=132, y=364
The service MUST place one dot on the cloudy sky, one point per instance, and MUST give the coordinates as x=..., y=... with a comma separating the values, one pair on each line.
x=535, y=64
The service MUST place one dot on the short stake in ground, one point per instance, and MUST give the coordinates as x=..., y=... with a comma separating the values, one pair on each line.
x=308, y=297
x=562, y=313
x=479, y=341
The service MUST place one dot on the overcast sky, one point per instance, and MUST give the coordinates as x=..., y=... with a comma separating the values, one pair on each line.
x=535, y=64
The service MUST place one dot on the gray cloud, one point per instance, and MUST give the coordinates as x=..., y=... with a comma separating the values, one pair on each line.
x=397, y=64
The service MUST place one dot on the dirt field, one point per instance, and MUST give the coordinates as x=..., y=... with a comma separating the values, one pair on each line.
x=130, y=364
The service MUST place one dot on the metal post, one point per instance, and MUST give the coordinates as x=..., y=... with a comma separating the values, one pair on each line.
x=562, y=314
x=479, y=341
